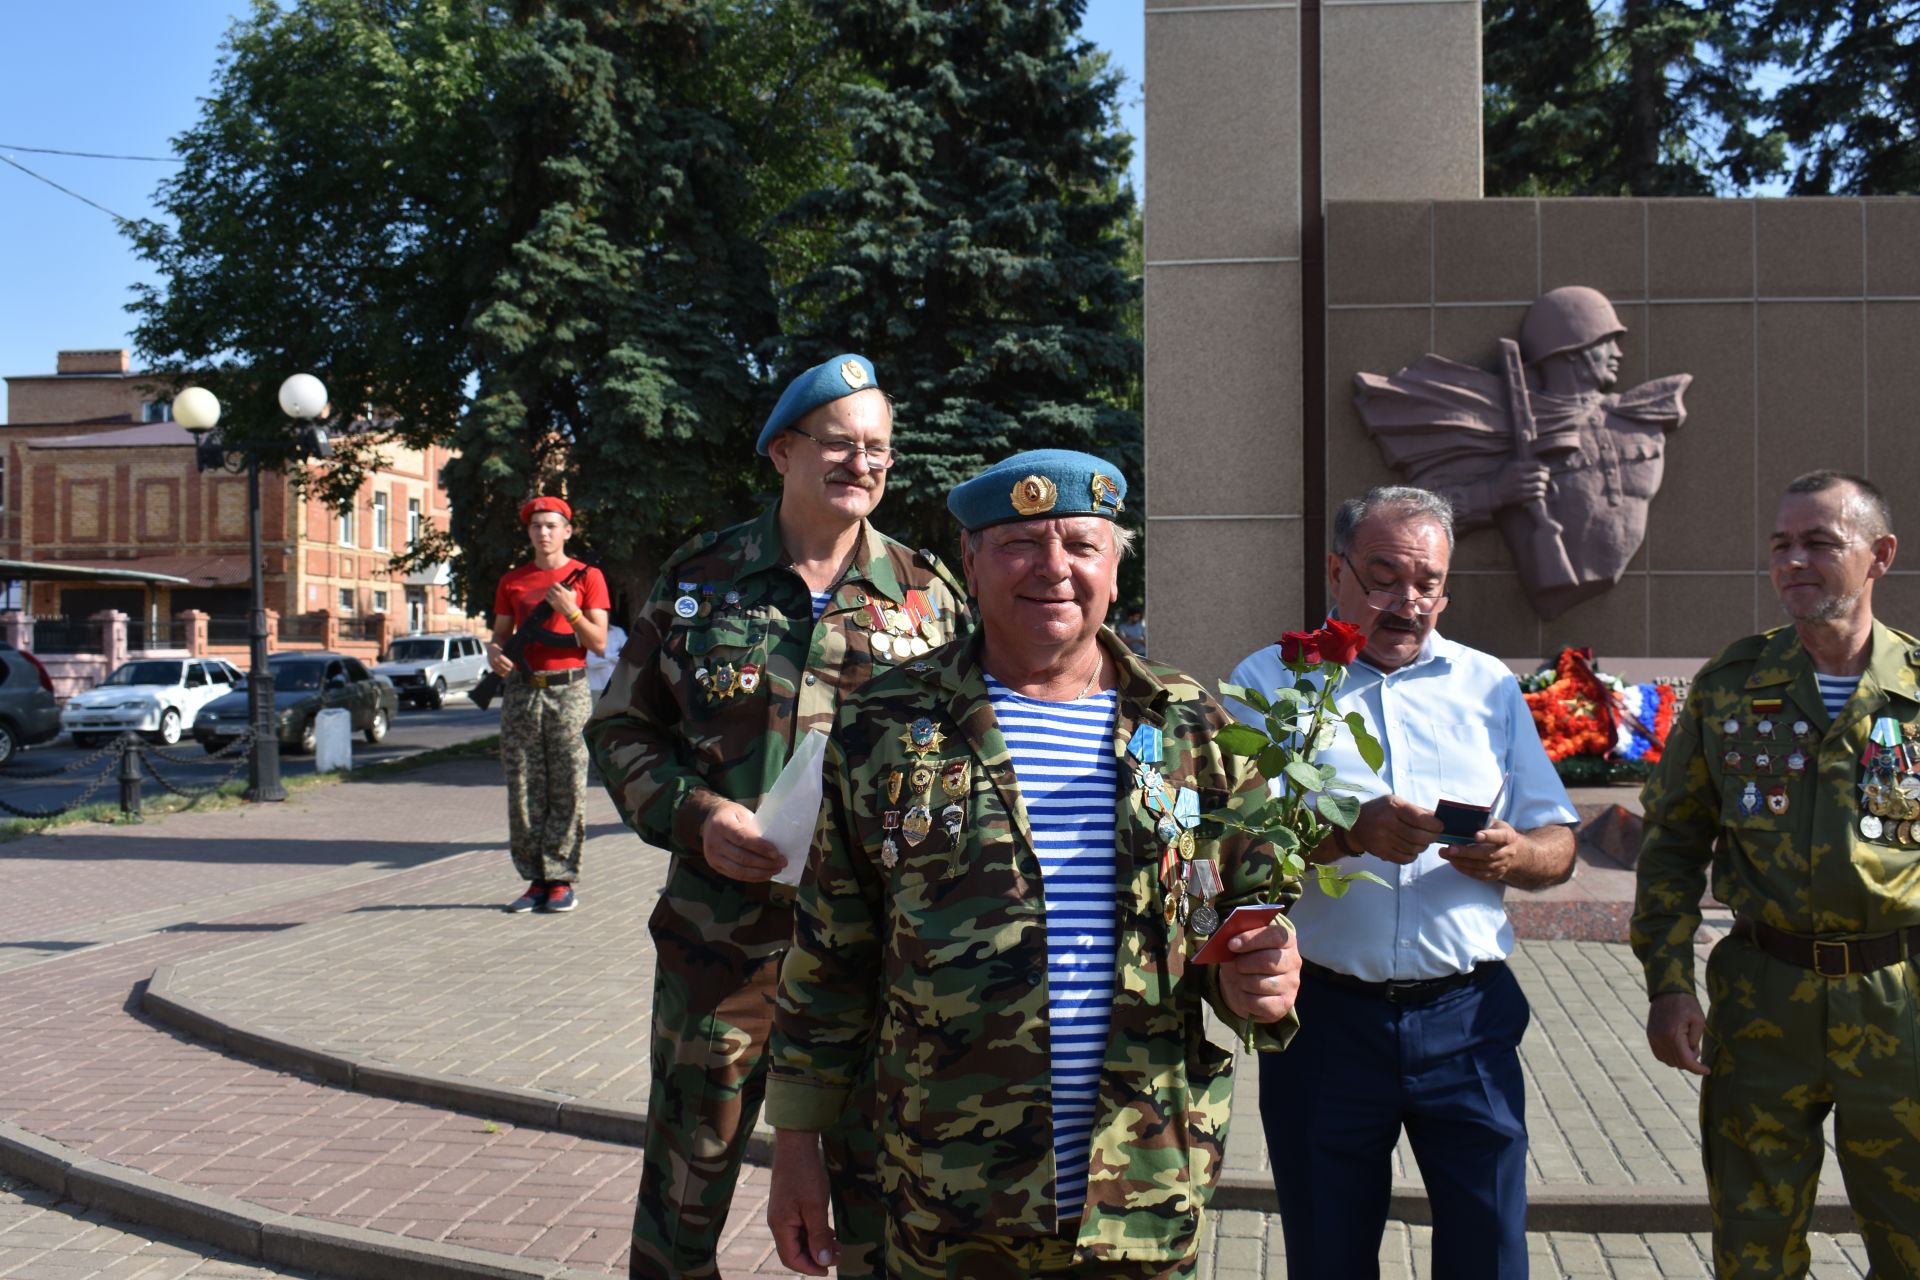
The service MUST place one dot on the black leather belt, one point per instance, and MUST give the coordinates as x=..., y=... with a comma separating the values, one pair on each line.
x=1411, y=992
x=555, y=678
x=1831, y=959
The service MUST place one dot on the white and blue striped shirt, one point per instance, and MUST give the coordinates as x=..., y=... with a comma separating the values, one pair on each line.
x=1063, y=757
x=821, y=599
x=1835, y=691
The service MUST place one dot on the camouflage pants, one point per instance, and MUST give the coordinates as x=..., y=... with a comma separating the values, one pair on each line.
x=917, y=1255
x=717, y=949
x=1787, y=1046
x=545, y=760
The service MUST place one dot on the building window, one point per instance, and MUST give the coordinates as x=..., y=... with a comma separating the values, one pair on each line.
x=157, y=411
x=346, y=600
x=379, y=521
x=413, y=518
x=346, y=525
x=379, y=602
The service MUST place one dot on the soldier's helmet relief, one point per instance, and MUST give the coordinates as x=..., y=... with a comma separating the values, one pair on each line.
x=1570, y=318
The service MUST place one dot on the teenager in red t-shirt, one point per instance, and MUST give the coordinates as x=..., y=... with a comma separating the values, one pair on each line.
x=546, y=705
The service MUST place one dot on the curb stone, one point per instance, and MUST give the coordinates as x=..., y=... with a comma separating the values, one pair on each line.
x=1582, y=1208
x=245, y=1229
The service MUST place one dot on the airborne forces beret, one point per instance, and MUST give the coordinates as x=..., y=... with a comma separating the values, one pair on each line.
x=824, y=383
x=1039, y=484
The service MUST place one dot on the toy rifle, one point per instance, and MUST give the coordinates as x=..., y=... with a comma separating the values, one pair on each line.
x=532, y=631
x=1547, y=548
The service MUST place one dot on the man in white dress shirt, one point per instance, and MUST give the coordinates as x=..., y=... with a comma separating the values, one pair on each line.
x=1409, y=1015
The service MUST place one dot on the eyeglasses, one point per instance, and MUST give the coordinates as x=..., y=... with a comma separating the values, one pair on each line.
x=1382, y=601
x=838, y=453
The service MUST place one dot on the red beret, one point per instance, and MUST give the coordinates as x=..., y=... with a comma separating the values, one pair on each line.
x=538, y=505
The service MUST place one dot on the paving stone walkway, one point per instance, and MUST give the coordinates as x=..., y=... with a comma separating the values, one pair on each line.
x=363, y=920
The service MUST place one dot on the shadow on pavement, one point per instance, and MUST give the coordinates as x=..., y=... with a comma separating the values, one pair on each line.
x=249, y=846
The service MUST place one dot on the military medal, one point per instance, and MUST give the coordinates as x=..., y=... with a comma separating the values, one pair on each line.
x=1802, y=729
x=1167, y=831
x=1146, y=749
x=1732, y=759
x=1797, y=762
x=917, y=823
x=952, y=817
x=1730, y=727
x=922, y=776
x=1871, y=826
x=733, y=597
x=894, y=778
x=703, y=678
x=1750, y=799
x=1762, y=762
x=953, y=778
x=921, y=737
x=726, y=681
x=890, y=822
x=749, y=678
x=1188, y=845
x=686, y=606
x=1204, y=920
x=1203, y=886
x=1776, y=800
x=1764, y=728
x=882, y=644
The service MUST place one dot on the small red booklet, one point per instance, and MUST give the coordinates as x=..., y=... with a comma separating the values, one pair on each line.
x=1239, y=920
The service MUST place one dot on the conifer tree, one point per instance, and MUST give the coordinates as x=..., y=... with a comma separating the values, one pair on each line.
x=978, y=237
x=1852, y=109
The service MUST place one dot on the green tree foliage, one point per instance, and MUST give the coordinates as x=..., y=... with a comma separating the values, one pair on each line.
x=977, y=242
x=537, y=232
x=1642, y=97
x=1852, y=108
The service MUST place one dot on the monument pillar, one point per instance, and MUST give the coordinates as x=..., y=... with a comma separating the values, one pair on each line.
x=1258, y=114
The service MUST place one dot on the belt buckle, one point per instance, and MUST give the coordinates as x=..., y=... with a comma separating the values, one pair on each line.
x=1400, y=990
x=539, y=679
x=1823, y=949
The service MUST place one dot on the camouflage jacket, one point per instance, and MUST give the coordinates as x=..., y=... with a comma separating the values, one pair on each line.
x=937, y=957
x=1758, y=783
x=724, y=666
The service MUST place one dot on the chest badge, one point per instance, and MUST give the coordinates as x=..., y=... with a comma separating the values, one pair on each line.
x=917, y=823
x=1776, y=800
x=686, y=607
x=1750, y=799
x=921, y=737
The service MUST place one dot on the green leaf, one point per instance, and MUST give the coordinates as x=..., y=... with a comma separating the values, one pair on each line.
x=1284, y=839
x=1304, y=775
x=1289, y=697
x=1341, y=811
x=1369, y=877
x=1364, y=742
x=1241, y=740
x=1272, y=760
x=1332, y=883
x=1252, y=697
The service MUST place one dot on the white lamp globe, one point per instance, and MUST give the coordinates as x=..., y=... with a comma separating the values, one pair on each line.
x=302, y=396
x=196, y=409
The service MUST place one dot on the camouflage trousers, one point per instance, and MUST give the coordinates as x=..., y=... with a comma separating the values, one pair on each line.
x=1786, y=1047
x=717, y=950
x=545, y=759
x=917, y=1255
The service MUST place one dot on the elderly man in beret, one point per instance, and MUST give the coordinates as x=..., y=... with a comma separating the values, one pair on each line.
x=546, y=703
x=1008, y=889
x=751, y=638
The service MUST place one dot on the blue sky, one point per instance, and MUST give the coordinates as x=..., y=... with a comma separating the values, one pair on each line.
x=124, y=77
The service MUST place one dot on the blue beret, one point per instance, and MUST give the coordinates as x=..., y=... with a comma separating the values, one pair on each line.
x=824, y=383
x=1039, y=483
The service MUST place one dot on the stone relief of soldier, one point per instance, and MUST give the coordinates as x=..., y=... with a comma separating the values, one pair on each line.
x=1543, y=450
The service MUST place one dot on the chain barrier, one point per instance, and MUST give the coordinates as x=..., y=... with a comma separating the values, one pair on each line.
x=118, y=750
x=194, y=793
x=128, y=772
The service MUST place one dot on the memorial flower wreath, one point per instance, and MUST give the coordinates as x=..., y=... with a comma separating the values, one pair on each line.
x=1595, y=727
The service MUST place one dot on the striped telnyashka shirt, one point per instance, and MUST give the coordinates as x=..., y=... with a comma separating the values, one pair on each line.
x=1063, y=757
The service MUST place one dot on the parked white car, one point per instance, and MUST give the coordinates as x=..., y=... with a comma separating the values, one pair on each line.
x=422, y=668
x=158, y=697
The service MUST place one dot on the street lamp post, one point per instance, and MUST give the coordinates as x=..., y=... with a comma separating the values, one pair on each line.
x=303, y=399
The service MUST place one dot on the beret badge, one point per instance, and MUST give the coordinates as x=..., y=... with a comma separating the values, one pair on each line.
x=1035, y=495
x=1105, y=493
x=852, y=374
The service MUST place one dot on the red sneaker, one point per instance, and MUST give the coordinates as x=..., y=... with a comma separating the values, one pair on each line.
x=559, y=898
x=535, y=895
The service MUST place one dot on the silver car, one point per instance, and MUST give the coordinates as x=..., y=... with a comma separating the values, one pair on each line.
x=423, y=668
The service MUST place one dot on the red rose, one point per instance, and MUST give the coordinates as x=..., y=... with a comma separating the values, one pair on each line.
x=1341, y=642
x=1300, y=646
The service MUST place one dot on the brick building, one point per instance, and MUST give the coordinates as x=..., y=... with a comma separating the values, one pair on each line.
x=98, y=476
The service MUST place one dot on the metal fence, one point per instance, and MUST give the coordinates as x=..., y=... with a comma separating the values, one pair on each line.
x=305, y=628
x=228, y=631
x=66, y=635
x=160, y=633
x=358, y=628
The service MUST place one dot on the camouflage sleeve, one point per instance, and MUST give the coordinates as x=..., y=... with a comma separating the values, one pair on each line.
x=1682, y=823
x=632, y=736
x=829, y=995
